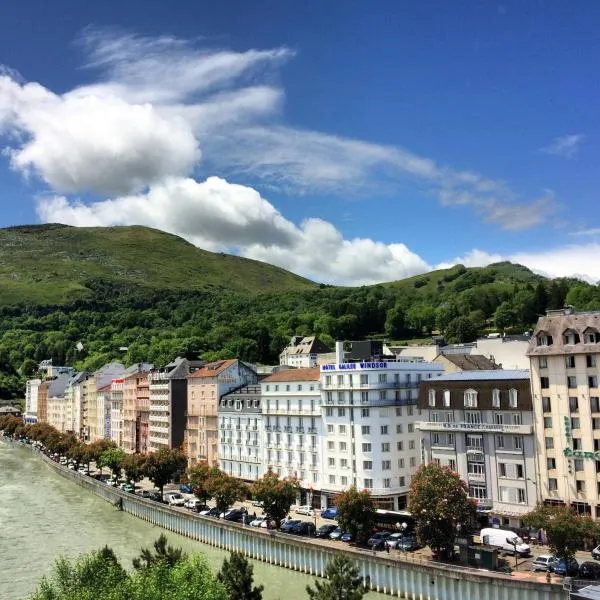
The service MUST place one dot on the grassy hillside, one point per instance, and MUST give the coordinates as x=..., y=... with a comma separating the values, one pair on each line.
x=51, y=264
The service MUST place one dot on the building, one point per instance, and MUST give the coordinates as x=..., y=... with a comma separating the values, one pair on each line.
x=168, y=403
x=31, y=400
x=76, y=404
x=241, y=433
x=369, y=411
x=293, y=429
x=104, y=413
x=93, y=415
x=480, y=424
x=57, y=403
x=9, y=411
x=136, y=412
x=454, y=363
x=303, y=352
x=49, y=371
x=564, y=354
x=205, y=388
x=42, y=404
x=116, y=410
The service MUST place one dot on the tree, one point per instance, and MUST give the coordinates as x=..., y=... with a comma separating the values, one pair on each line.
x=133, y=465
x=277, y=495
x=460, y=330
x=439, y=501
x=505, y=316
x=343, y=582
x=565, y=529
x=166, y=555
x=395, y=322
x=113, y=459
x=161, y=466
x=225, y=489
x=236, y=574
x=198, y=477
x=356, y=513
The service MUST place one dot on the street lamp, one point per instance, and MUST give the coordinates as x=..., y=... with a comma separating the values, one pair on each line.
x=401, y=527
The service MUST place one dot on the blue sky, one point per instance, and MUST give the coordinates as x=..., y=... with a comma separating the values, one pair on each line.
x=350, y=142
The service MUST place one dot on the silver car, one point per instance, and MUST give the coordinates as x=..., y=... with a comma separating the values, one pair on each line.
x=545, y=562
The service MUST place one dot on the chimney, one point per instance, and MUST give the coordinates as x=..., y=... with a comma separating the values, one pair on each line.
x=339, y=352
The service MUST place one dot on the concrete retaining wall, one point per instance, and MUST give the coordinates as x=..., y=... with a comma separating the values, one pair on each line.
x=398, y=576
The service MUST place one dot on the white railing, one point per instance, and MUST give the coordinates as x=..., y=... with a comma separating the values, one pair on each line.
x=474, y=427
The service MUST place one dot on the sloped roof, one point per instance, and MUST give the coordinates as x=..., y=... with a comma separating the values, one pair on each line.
x=307, y=345
x=306, y=374
x=483, y=375
x=555, y=325
x=469, y=362
x=213, y=369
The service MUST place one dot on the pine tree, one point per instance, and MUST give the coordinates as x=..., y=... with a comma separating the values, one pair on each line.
x=343, y=582
x=236, y=574
x=164, y=554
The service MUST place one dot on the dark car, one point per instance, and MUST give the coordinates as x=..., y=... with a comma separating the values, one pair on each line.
x=346, y=537
x=157, y=497
x=200, y=507
x=329, y=513
x=377, y=540
x=289, y=525
x=325, y=530
x=214, y=512
x=304, y=528
x=589, y=570
x=237, y=515
x=336, y=534
x=562, y=567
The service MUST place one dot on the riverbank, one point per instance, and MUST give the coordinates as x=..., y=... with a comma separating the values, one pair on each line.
x=391, y=575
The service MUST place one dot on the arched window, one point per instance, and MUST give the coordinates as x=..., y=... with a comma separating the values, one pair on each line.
x=471, y=399
x=496, y=398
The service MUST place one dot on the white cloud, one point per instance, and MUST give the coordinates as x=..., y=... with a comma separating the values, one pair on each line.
x=566, y=146
x=221, y=216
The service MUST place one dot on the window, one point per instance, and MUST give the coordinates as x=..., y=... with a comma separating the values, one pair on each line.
x=471, y=399
x=411, y=428
x=402, y=481
x=580, y=486
x=550, y=464
x=478, y=491
x=365, y=412
x=401, y=463
x=452, y=464
x=343, y=429
x=385, y=447
x=546, y=404
x=570, y=338
x=578, y=462
x=446, y=398
x=544, y=340
x=399, y=428
x=552, y=484
x=431, y=397
x=329, y=412
x=330, y=445
x=496, y=398
x=500, y=441
x=368, y=483
x=592, y=381
x=547, y=422
x=386, y=465
x=383, y=394
x=344, y=463
x=384, y=413
x=544, y=383
x=400, y=446
x=299, y=388
x=573, y=404
x=577, y=444
x=575, y=423
x=364, y=379
x=516, y=419
x=332, y=479
x=366, y=447
x=549, y=443
x=570, y=362
x=384, y=430
x=596, y=423
x=343, y=446
x=398, y=409
x=512, y=398
x=409, y=411
x=367, y=465
x=473, y=417
x=518, y=442
x=344, y=480
x=477, y=468
x=411, y=444
x=365, y=430
x=331, y=461
x=475, y=442
x=571, y=382
x=590, y=360
x=341, y=412
x=330, y=428
x=543, y=362
x=595, y=404
x=364, y=397
x=387, y=483
x=413, y=461
x=591, y=337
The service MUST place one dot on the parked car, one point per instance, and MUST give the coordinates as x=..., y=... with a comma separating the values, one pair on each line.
x=200, y=508
x=257, y=503
x=175, y=499
x=377, y=541
x=504, y=539
x=336, y=534
x=305, y=509
x=191, y=503
x=129, y=488
x=156, y=497
x=258, y=522
x=346, y=537
x=185, y=489
x=304, y=528
x=563, y=568
x=589, y=570
x=596, y=553
x=288, y=525
x=238, y=515
x=406, y=542
x=144, y=493
x=329, y=513
x=545, y=562
x=325, y=530
x=212, y=512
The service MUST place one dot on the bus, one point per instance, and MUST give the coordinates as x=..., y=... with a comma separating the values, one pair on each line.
x=393, y=520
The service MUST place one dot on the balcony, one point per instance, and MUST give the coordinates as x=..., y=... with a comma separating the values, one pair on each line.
x=476, y=477
x=312, y=430
x=474, y=427
x=373, y=385
x=299, y=429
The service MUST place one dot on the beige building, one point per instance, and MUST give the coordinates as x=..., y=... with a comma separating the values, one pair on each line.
x=303, y=352
x=205, y=388
x=564, y=354
x=136, y=411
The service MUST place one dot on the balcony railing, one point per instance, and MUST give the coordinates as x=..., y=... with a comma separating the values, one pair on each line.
x=474, y=427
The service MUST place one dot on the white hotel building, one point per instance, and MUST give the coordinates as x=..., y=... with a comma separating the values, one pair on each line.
x=369, y=416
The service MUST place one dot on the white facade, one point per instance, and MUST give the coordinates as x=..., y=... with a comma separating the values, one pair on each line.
x=31, y=400
x=369, y=415
x=116, y=411
x=104, y=413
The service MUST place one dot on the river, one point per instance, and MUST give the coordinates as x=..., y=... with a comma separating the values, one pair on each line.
x=43, y=516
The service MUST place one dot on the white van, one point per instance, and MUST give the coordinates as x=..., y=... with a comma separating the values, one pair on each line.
x=505, y=540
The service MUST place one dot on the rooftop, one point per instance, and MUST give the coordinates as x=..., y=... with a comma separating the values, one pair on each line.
x=488, y=375
x=469, y=362
x=306, y=374
x=213, y=369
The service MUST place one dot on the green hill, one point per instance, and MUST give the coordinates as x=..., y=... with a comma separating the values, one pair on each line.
x=53, y=264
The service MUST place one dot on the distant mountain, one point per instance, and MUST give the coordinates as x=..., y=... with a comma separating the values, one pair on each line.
x=55, y=264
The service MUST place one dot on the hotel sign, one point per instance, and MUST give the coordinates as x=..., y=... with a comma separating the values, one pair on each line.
x=474, y=427
x=569, y=453
x=354, y=366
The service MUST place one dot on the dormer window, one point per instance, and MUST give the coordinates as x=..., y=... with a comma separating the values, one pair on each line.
x=496, y=398
x=570, y=337
x=591, y=336
x=431, y=397
x=471, y=399
x=512, y=398
x=543, y=339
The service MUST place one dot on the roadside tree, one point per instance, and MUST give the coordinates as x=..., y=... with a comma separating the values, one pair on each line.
x=438, y=499
x=198, y=478
x=225, y=489
x=236, y=575
x=134, y=465
x=277, y=495
x=356, y=513
x=161, y=466
x=113, y=459
x=342, y=582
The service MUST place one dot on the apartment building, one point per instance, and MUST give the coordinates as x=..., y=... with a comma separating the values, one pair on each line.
x=205, y=388
x=57, y=403
x=480, y=424
x=76, y=404
x=31, y=400
x=241, y=433
x=303, y=352
x=42, y=402
x=168, y=403
x=369, y=412
x=136, y=411
x=104, y=413
x=117, y=388
x=564, y=355
x=293, y=429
